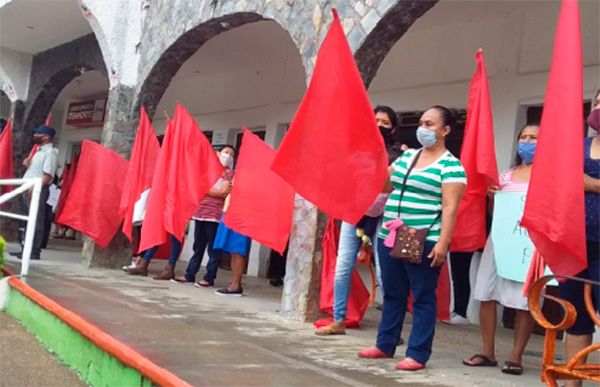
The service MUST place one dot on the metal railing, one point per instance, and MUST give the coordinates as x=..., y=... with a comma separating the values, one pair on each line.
x=24, y=185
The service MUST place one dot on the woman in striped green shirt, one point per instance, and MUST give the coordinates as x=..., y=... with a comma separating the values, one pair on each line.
x=433, y=190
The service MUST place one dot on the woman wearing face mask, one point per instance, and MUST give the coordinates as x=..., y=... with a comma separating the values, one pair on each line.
x=491, y=289
x=206, y=220
x=426, y=186
x=350, y=243
x=579, y=335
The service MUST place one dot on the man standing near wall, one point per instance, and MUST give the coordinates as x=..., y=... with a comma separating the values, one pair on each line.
x=43, y=164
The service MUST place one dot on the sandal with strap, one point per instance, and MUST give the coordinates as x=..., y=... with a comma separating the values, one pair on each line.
x=373, y=353
x=331, y=329
x=485, y=361
x=512, y=368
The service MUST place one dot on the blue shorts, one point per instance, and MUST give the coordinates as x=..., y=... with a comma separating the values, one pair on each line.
x=572, y=291
x=231, y=242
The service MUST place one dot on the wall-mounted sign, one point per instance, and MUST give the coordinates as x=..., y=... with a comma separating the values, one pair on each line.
x=86, y=113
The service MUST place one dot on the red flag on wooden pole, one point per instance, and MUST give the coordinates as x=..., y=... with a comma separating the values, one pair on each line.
x=139, y=175
x=339, y=165
x=554, y=211
x=66, y=185
x=186, y=170
x=153, y=229
x=262, y=203
x=92, y=205
x=478, y=157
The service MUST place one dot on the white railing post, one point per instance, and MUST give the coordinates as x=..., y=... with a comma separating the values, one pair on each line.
x=36, y=185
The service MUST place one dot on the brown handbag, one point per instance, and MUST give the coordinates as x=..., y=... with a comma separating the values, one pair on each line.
x=410, y=242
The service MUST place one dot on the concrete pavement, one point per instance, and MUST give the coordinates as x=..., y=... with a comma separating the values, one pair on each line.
x=213, y=340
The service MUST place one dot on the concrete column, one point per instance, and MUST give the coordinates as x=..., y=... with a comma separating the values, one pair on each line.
x=21, y=146
x=118, y=134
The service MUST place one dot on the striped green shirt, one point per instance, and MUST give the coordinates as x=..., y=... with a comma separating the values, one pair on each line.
x=422, y=199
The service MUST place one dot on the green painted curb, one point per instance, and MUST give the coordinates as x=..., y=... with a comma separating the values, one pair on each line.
x=95, y=366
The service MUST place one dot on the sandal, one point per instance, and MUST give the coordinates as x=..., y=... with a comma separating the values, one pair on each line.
x=331, y=329
x=204, y=284
x=485, y=361
x=512, y=368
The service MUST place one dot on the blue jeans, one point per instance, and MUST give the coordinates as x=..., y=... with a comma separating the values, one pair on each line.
x=204, y=236
x=345, y=263
x=175, y=251
x=399, y=279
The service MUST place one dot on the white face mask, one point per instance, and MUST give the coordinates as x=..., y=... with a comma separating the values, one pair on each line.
x=226, y=160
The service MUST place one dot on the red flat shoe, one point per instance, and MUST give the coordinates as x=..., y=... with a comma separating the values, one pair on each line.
x=409, y=364
x=373, y=353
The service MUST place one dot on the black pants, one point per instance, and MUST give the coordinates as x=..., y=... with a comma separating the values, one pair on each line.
x=277, y=262
x=460, y=264
x=48, y=218
x=40, y=222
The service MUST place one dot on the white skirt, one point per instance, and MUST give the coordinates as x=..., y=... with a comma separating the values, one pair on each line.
x=489, y=286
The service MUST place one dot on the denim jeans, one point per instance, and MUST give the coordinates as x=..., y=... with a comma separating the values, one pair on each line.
x=399, y=279
x=204, y=236
x=345, y=263
x=175, y=251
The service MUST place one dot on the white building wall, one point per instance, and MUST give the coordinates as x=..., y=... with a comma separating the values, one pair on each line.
x=15, y=69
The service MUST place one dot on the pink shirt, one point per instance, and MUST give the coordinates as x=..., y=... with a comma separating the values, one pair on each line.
x=507, y=184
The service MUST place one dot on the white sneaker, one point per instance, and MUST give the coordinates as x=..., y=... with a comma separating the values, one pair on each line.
x=457, y=319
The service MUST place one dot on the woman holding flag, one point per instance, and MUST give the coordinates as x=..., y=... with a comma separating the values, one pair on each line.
x=491, y=289
x=426, y=186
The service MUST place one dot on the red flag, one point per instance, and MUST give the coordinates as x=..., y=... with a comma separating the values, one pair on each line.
x=92, y=206
x=48, y=119
x=264, y=215
x=358, y=301
x=6, y=156
x=66, y=185
x=33, y=151
x=141, y=169
x=554, y=211
x=186, y=170
x=478, y=157
x=339, y=165
x=153, y=229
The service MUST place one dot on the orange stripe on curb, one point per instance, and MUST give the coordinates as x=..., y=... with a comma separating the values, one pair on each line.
x=103, y=340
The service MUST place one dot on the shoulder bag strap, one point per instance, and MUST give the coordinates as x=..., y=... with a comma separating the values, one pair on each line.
x=410, y=168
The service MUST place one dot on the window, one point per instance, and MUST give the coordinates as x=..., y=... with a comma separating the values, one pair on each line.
x=238, y=138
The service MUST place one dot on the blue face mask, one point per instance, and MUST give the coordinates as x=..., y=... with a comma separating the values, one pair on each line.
x=526, y=151
x=425, y=137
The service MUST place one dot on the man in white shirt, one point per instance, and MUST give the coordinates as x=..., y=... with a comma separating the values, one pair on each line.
x=43, y=164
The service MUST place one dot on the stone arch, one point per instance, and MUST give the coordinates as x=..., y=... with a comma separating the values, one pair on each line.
x=390, y=28
x=187, y=44
x=99, y=34
x=53, y=69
